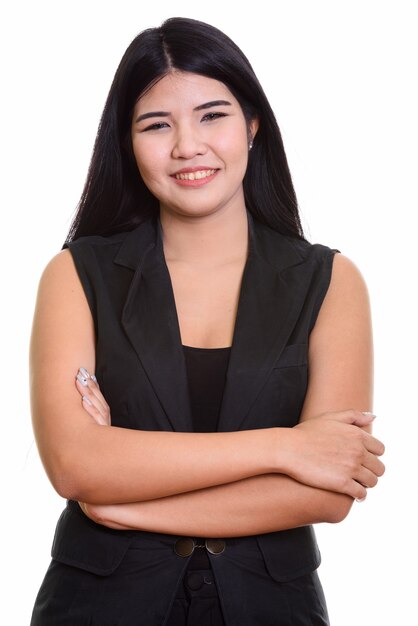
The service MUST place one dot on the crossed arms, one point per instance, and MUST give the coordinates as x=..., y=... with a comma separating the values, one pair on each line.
x=207, y=484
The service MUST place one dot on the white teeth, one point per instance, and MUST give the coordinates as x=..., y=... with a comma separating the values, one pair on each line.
x=195, y=175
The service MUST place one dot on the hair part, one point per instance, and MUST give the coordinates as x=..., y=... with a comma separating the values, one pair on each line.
x=115, y=198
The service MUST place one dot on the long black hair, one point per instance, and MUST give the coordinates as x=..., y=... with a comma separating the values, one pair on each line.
x=115, y=197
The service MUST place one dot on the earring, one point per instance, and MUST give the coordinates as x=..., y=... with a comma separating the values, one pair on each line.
x=250, y=144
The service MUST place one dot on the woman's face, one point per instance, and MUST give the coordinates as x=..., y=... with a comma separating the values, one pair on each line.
x=190, y=141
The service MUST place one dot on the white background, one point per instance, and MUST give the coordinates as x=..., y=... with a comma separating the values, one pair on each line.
x=341, y=77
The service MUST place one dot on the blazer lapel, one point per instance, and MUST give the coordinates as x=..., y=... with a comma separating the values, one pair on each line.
x=149, y=318
x=268, y=309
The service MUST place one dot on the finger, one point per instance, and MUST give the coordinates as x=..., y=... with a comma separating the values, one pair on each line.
x=362, y=418
x=373, y=445
x=89, y=387
x=94, y=412
x=374, y=464
x=366, y=478
x=352, y=416
x=90, y=401
x=94, y=387
x=356, y=490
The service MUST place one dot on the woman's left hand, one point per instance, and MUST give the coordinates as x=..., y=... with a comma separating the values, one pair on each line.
x=92, y=398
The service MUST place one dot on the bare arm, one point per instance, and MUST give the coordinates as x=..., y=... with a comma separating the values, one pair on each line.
x=251, y=506
x=340, y=357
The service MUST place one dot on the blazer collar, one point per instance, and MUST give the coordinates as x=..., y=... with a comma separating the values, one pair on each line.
x=281, y=251
x=267, y=310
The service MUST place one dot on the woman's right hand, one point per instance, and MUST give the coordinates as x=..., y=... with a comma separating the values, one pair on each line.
x=333, y=452
x=92, y=398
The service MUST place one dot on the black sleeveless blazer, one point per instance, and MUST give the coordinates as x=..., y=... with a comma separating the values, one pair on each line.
x=141, y=369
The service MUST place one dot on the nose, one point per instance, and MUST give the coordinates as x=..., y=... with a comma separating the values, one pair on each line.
x=188, y=143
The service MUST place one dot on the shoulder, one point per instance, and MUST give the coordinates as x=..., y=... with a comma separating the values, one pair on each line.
x=127, y=248
x=347, y=299
x=347, y=281
x=65, y=271
x=87, y=248
x=60, y=285
x=81, y=259
x=340, y=288
x=339, y=274
x=98, y=241
x=284, y=251
x=59, y=268
x=67, y=276
x=63, y=262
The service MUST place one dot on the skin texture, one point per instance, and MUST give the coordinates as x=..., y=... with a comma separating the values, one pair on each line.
x=211, y=138
x=257, y=480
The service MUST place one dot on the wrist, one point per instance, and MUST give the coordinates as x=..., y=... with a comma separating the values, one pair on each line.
x=283, y=446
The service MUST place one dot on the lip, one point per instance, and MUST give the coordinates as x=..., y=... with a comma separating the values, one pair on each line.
x=200, y=182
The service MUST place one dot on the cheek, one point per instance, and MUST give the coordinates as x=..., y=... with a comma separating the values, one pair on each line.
x=234, y=147
x=150, y=161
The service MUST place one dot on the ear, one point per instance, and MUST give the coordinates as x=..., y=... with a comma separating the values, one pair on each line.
x=252, y=129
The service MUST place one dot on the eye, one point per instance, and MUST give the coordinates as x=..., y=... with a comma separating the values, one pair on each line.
x=155, y=126
x=213, y=116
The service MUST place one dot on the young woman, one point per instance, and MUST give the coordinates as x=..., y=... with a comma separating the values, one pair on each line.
x=223, y=365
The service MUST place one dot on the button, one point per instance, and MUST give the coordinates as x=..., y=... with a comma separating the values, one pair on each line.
x=215, y=546
x=184, y=546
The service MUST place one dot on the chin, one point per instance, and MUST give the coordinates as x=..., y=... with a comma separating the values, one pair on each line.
x=194, y=211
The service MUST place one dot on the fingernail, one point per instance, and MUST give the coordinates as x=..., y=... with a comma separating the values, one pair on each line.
x=93, y=377
x=84, y=372
x=360, y=499
x=87, y=401
x=82, y=380
x=370, y=414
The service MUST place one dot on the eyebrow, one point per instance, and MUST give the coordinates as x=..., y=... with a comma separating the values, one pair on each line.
x=201, y=107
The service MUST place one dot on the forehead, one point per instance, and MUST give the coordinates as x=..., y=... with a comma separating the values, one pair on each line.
x=184, y=89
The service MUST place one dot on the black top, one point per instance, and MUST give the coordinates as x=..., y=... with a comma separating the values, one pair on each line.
x=206, y=372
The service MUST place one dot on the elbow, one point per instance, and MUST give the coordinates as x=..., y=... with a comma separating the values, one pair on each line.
x=68, y=481
x=65, y=484
x=61, y=486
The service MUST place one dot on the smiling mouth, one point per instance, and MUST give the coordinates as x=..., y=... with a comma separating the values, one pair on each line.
x=194, y=175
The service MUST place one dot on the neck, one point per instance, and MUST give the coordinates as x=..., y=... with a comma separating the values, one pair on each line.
x=217, y=237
